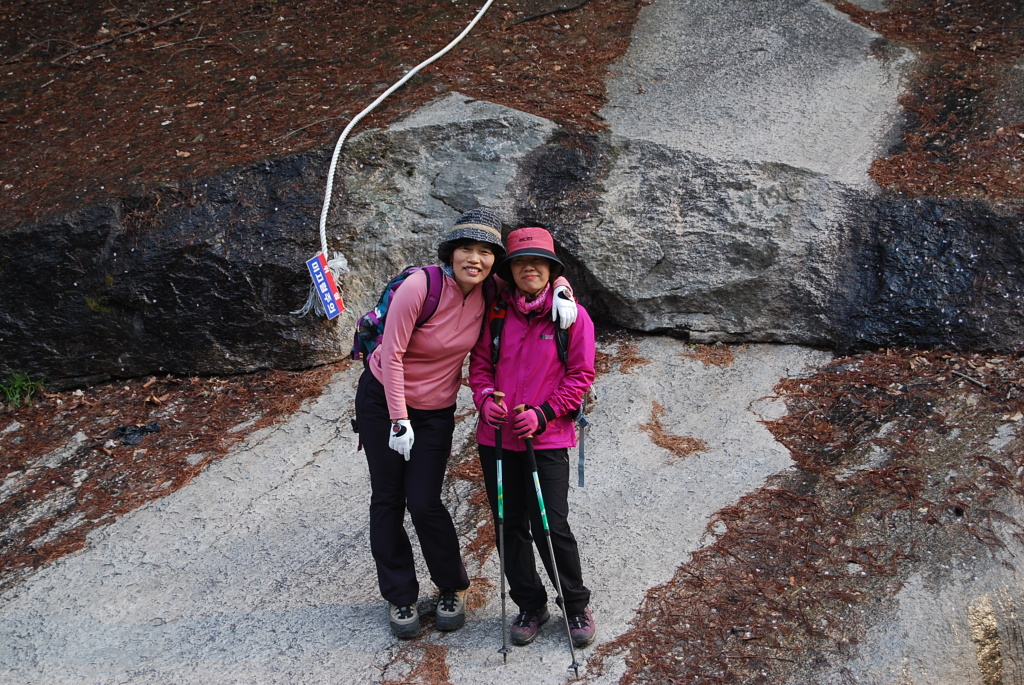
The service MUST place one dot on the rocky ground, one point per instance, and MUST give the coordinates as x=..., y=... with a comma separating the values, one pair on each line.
x=905, y=459
x=75, y=460
x=907, y=462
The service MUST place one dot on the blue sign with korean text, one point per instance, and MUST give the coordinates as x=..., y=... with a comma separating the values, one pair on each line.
x=326, y=288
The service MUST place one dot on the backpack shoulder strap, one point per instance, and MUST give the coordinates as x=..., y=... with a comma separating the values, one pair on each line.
x=562, y=341
x=435, y=283
x=490, y=287
x=495, y=323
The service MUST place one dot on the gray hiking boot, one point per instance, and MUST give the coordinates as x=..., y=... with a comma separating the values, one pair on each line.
x=451, y=610
x=405, y=621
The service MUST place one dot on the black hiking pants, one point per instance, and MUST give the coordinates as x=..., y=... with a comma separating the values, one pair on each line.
x=523, y=526
x=397, y=485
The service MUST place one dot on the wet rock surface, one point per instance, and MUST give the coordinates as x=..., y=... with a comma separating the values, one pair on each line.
x=197, y=280
x=936, y=272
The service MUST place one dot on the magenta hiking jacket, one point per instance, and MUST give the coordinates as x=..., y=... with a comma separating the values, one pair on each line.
x=529, y=371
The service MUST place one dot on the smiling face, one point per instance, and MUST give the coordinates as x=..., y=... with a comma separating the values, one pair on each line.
x=530, y=273
x=471, y=263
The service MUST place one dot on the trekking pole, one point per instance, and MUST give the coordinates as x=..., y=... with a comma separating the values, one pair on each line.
x=559, y=600
x=501, y=535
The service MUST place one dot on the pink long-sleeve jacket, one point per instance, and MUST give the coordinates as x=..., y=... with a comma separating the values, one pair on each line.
x=529, y=371
x=422, y=367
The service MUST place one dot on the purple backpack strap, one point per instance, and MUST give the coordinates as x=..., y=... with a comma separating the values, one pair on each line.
x=435, y=283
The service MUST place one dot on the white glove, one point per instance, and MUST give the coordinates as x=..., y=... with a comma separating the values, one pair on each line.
x=563, y=307
x=401, y=437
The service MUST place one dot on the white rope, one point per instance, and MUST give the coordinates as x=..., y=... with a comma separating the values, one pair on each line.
x=358, y=117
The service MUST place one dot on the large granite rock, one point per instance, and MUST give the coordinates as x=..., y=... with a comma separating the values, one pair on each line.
x=204, y=279
x=742, y=252
x=728, y=201
x=403, y=188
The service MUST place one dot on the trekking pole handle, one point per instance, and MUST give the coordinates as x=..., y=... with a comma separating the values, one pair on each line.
x=519, y=410
x=498, y=396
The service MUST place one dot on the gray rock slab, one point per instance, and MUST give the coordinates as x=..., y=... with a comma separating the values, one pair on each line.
x=259, y=571
x=792, y=81
x=960, y=625
x=720, y=250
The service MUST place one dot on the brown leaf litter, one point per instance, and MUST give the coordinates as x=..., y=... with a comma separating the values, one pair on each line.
x=718, y=354
x=680, y=446
x=69, y=466
x=123, y=99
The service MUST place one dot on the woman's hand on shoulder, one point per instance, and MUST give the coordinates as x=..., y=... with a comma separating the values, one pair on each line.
x=563, y=307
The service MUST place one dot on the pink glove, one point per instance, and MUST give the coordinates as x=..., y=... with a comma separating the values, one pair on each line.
x=492, y=413
x=529, y=423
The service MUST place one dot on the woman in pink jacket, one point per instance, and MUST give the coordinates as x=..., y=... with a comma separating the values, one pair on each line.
x=529, y=371
x=405, y=410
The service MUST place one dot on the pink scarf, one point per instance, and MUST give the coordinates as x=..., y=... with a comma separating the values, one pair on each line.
x=526, y=307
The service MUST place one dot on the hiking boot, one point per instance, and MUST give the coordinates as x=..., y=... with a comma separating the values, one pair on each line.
x=451, y=610
x=527, y=624
x=405, y=621
x=582, y=628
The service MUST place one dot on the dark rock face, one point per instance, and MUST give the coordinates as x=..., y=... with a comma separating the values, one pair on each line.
x=188, y=281
x=933, y=273
x=204, y=280
x=560, y=185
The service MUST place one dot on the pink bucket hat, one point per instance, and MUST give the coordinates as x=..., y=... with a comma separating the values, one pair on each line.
x=532, y=241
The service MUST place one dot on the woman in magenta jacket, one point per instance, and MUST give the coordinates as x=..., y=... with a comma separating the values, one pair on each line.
x=529, y=371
